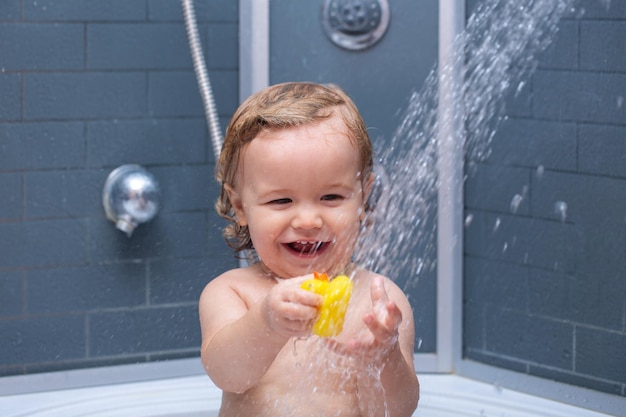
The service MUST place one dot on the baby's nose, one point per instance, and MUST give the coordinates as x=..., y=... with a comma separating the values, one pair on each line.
x=307, y=218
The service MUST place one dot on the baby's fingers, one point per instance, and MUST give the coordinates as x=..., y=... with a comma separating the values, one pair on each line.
x=394, y=315
x=384, y=327
x=377, y=291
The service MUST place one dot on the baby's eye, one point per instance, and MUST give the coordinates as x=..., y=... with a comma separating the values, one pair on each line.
x=332, y=197
x=280, y=201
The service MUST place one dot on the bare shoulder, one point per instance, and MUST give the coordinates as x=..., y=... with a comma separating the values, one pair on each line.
x=228, y=280
x=229, y=296
x=244, y=284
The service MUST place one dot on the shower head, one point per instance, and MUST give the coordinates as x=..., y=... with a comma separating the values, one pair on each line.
x=131, y=196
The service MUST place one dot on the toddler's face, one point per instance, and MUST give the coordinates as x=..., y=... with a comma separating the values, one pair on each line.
x=299, y=192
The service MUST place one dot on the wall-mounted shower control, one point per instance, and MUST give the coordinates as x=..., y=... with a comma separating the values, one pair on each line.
x=355, y=24
x=131, y=196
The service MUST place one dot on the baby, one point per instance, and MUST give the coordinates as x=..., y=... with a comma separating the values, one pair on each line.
x=296, y=171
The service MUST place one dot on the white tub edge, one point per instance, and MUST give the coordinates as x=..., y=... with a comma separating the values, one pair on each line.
x=443, y=395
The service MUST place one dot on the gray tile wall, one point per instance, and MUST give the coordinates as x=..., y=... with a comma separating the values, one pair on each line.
x=545, y=272
x=86, y=86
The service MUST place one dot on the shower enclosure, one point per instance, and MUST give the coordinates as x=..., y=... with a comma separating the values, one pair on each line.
x=526, y=289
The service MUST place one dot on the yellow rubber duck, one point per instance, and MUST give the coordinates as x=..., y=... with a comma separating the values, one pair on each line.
x=336, y=293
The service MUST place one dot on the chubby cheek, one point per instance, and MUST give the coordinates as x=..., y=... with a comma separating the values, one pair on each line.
x=263, y=230
x=258, y=231
x=348, y=231
x=349, y=221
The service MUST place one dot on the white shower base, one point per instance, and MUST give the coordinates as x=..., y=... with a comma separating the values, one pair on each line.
x=195, y=396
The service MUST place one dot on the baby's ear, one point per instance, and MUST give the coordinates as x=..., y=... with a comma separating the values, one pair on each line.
x=237, y=203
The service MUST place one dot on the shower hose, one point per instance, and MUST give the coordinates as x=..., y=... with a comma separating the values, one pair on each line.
x=202, y=76
x=204, y=84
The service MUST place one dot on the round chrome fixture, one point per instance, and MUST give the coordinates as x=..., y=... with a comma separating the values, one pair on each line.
x=355, y=24
x=131, y=196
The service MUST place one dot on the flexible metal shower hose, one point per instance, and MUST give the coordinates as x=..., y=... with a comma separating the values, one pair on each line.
x=202, y=76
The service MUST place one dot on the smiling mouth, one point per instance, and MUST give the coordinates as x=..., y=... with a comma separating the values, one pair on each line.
x=307, y=248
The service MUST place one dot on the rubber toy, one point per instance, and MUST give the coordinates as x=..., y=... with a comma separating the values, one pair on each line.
x=336, y=293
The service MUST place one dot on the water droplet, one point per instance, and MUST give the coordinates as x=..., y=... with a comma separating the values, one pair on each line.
x=420, y=266
x=560, y=208
x=540, y=171
x=295, y=341
x=515, y=202
x=496, y=226
x=620, y=102
x=470, y=218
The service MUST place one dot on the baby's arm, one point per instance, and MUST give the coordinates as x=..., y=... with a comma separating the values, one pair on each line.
x=387, y=348
x=398, y=377
x=242, y=334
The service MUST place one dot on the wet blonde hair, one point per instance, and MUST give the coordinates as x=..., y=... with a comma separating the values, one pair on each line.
x=277, y=107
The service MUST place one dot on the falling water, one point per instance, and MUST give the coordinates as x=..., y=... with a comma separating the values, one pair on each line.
x=498, y=49
x=496, y=53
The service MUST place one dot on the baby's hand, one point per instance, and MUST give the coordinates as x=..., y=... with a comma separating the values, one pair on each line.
x=290, y=310
x=382, y=322
x=385, y=317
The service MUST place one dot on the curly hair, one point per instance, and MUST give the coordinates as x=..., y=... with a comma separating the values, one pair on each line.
x=277, y=107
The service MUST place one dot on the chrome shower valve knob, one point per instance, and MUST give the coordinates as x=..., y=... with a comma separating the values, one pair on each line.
x=131, y=196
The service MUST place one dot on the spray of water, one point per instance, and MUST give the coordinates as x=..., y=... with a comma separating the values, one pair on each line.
x=495, y=54
x=498, y=49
